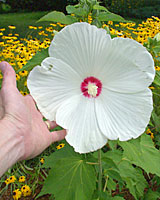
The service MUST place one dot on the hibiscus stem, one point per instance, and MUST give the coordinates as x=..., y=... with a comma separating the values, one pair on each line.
x=100, y=171
x=91, y=163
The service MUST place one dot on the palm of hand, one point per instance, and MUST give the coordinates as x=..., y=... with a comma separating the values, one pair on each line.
x=21, y=113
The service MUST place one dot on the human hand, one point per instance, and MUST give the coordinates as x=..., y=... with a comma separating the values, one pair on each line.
x=20, y=115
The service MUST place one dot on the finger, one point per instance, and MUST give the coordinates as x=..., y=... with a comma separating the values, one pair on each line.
x=9, y=75
x=50, y=124
x=31, y=98
x=58, y=135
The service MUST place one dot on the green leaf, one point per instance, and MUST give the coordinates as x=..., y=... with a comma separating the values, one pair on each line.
x=114, y=174
x=35, y=60
x=104, y=16
x=115, y=155
x=157, y=79
x=98, y=7
x=105, y=196
x=56, y=16
x=156, y=120
x=151, y=195
x=97, y=23
x=133, y=177
x=156, y=49
x=66, y=151
x=113, y=144
x=117, y=198
x=111, y=171
x=70, y=9
x=108, y=163
x=142, y=153
x=111, y=184
x=77, y=11
x=70, y=176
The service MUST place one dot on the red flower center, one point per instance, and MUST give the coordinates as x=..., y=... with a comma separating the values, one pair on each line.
x=91, y=87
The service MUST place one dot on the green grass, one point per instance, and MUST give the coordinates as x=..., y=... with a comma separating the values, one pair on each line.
x=22, y=21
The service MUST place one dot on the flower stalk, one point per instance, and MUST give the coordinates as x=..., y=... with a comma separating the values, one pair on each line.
x=105, y=186
x=100, y=171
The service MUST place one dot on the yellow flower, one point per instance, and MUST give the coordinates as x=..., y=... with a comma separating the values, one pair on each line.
x=7, y=181
x=17, y=194
x=31, y=27
x=1, y=43
x=156, y=18
x=110, y=22
x=60, y=146
x=157, y=68
x=152, y=135
x=149, y=132
x=53, y=24
x=26, y=190
x=61, y=25
x=12, y=27
x=17, y=77
x=23, y=93
x=23, y=73
x=152, y=88
x=49, y=29
x=42, y=160
x=12, y=179
x=2, y=29
x=22, y=179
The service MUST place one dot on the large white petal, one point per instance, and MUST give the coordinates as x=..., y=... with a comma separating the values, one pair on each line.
x=81, y=46
x=78, y=116
x=52, y=83
x=122, y=65
x=129, y=67
x=123, y=116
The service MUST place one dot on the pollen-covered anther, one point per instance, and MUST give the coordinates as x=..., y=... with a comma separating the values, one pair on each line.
x=92, y=89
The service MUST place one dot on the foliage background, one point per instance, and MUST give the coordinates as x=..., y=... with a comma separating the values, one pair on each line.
x=32, y=5
x=134, y=8
x=127, y=8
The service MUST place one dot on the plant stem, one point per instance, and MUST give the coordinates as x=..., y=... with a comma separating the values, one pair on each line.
x=100, y=171
x=105, y=186
x=91, y=163
x=5, y=188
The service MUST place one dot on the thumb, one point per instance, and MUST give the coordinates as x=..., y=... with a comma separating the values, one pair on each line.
x=9, y=75
x=58, y=135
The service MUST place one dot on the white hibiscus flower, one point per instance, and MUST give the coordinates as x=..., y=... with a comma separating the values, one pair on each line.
x=94, y=86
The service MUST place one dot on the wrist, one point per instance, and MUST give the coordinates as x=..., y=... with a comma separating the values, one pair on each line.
x=11, y=145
